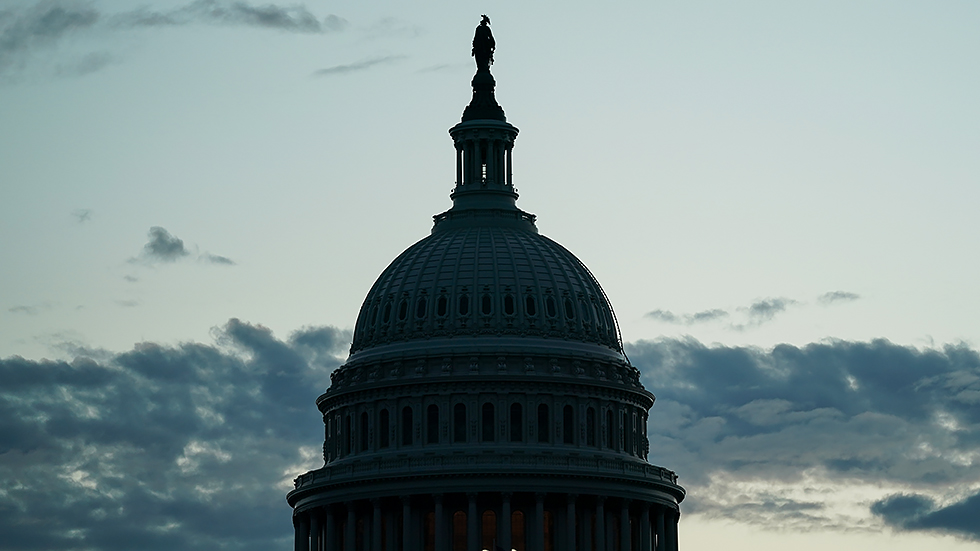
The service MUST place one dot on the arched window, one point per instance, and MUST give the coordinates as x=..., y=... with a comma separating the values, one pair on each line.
x=328, y=439
x=420, y=307
x=568, y=425
x=543, y=429
x=487, y=305
x=387, y=315
x=610, y=428
x=402, y=310
x=430, y=532
x=590, y=427
x=442, y=306
x=509, y=305
x=432, y=424
x=549, y=305
x=383, y=428
x=407, y=426
x=518, y=540
x=365, y=432
x=459, y=531
x=488, y=421
x=374, y=315
x=459, y=423
x=489, y=529
x=464, y=305
x=516, y=422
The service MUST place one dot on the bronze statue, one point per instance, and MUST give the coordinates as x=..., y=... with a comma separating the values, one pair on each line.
x=483, y=45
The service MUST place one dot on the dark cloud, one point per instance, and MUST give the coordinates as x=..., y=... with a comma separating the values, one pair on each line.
x=128, y=303
x=186, y=447
x=22, y=309
x=764, y=310
x=26, y=30
x=359, y=66
x=163, y=247
x=874, y=413
x=837, y=296
x=917, y=512
x=131, y=278
x=687, y=319
x=39, y=26
x=82, y=215
x=215, y=259
x=295, y=18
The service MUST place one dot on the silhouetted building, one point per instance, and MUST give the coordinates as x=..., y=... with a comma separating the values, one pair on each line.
x=487, y=402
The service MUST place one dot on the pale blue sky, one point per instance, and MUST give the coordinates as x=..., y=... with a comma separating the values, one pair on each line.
x=794, y=172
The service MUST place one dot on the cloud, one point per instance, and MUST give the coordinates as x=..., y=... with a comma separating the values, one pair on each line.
x=215, y=259
x=296, y=18
x=764, y=310
x=918, y=513
x=837, y=296
x=25, y=31
x=687, y=319
x=82, y=215
x=128, y=303
x=359, y=66
x=162, y=447
x=22, y=309
x=39, y=26
x=796, y=421
x=163, y=247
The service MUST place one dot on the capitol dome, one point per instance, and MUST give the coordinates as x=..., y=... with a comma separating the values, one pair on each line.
x=487, y=402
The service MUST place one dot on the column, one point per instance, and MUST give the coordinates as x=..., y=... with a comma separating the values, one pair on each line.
x=661, y=535
x=571, y=533
x=624, y=526
x=472, y=525
x=539, y=521
x=510, y=178
x=301, y=523
x=376, y=525
x=459, y=165
x=646, y=542
x=329, y=531
x=315, y=530
x=504, y=529
x=672, y=519
x=600, y=523
x=407, y=544
x=350, y=534
x=442, y=539
x=390, y=537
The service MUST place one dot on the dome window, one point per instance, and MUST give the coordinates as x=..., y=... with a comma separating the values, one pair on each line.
x=509, y=305
x=487, y=305
x=590, y=427
x=420, y=308
x=387, y=315
x=529, y=306
x=442, y=306
x=374, y=315
x=402, y=310
x=365, y=432
x=464, y=305
x=550, y=307
x=569, y=309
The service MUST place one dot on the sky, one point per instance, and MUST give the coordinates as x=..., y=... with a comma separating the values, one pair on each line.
x=779, y=198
